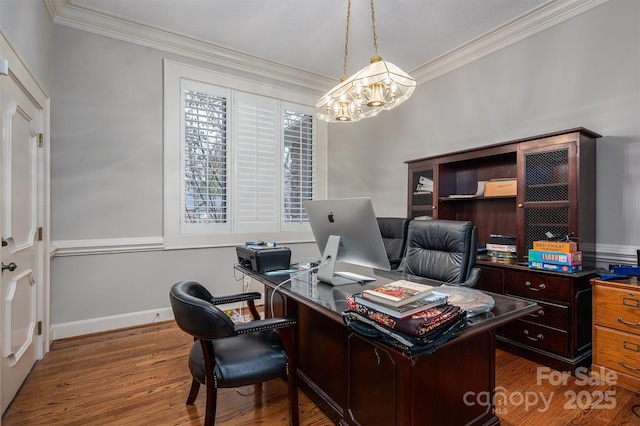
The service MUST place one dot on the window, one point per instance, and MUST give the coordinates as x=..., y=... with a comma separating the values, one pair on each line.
x=245, y=163
x=204, y=157
x=299, y=164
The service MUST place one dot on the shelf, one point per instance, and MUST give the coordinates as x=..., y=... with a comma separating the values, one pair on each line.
x=475, y=198
x=424, y=208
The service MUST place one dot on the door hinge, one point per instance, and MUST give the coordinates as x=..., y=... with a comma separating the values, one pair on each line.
x=40, y=140
x=40, y=234
x=39, y=328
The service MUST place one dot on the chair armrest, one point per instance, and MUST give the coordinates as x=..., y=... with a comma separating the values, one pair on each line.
x=472, y=279
x=265, y=324
x=232, y=298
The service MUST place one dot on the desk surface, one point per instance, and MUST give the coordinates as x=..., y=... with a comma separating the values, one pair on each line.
x=332, y=299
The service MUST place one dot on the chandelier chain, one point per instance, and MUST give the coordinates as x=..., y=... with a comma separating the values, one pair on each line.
x=346, y=41
x=373, y=27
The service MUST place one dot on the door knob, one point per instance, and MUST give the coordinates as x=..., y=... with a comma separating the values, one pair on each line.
x=12, y=266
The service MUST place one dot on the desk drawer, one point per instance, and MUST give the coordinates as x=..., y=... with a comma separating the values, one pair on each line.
x=550, y=315
x=617, y=308
x=617, y=350
x=538, y=336
x=538, y=286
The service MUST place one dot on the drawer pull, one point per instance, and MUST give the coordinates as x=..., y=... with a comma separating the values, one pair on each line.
x=539, y=288
x=535, y=339
x=631, y=302
x=631, y=346
x=632, y=324
x=628, y=367
x=537, y=314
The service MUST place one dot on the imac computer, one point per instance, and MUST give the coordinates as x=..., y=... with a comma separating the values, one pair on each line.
x=346, y=230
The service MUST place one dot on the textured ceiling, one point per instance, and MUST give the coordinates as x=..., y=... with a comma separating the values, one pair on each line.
x=309, y=35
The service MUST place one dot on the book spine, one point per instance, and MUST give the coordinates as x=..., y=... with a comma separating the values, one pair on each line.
x=563, y=247
x=555, y=268
x=556, y=258
x=501, y=247
x=502, y=255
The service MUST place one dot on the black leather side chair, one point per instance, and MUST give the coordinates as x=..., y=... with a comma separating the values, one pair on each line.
x=443, y=250
x=228, y=355
x=394, y=237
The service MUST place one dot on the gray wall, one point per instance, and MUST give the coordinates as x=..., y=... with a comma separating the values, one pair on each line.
x=30, y=29
x=107, y=182
x=584, y=72
x=106, y=145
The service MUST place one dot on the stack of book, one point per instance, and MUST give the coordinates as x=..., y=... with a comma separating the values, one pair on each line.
x=502, y=248
x=401, y=299
x=425, y=185
x=555, y=256
x=384, y=314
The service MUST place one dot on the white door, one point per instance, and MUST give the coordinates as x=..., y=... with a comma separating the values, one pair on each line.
x=21, y=165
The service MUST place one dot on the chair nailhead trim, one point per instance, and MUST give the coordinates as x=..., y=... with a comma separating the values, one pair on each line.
x=268, y=327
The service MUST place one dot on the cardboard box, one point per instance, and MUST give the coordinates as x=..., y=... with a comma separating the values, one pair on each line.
x=556, y=257
x=497, y=188
x=561, y=246
x=556, y=268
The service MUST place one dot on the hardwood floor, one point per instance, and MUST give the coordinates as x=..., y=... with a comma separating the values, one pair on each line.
x=139, y=376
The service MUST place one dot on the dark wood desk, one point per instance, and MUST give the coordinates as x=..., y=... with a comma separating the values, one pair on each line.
x=358, y=381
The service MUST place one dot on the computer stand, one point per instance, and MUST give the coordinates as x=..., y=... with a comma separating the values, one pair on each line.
x=326, y=271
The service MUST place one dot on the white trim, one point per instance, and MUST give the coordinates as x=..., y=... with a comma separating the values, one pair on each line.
x=115, y=322
x=616, y=254
x=112, y=322
x=551, y=13
x=62, y=248
x=65, y=13
x=105, y=246
x=544, y=17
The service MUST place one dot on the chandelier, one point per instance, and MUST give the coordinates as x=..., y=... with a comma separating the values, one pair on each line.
x=379, y=86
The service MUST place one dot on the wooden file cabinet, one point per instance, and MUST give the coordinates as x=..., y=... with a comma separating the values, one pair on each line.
x=616, y=332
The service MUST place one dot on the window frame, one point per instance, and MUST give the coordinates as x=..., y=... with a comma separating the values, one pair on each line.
x=174, y=237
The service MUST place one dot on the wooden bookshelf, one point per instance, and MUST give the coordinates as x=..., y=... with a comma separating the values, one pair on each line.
x=555, y=175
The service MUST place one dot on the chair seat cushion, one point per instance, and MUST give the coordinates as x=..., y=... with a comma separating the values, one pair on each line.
x=247, y=359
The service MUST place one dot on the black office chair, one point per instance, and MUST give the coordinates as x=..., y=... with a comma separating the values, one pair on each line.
x=394, y=237
x=443, y=250
x=228, y=355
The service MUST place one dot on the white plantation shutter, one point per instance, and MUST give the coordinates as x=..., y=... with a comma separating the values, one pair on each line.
x=299, y=161
x=257, y=160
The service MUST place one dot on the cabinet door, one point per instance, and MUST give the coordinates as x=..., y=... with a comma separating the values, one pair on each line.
x=423, y=188
x=547, y=194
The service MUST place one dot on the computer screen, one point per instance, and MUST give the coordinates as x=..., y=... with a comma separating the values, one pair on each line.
x=346, y=230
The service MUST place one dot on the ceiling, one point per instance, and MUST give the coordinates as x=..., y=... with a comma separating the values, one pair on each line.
x=307, y=37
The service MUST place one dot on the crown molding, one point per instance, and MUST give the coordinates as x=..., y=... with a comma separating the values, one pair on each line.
x=553, y=12
x=546, y=16
x=65, y=13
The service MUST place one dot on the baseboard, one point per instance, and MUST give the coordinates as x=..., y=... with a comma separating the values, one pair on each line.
x=114, y=322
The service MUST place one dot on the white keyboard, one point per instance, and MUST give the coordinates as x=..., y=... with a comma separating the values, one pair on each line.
x=354, y=277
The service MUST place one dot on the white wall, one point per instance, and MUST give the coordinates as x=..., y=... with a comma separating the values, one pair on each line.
x=584, y=72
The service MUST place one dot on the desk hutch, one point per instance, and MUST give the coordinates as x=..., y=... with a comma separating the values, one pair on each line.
x=556, y=181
